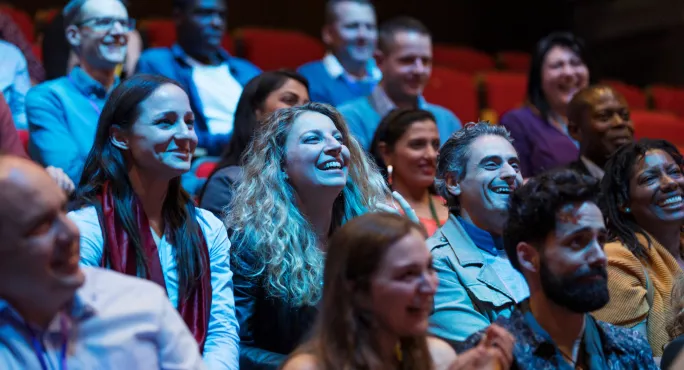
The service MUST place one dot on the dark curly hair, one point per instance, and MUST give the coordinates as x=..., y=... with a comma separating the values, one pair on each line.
x=533, y=207
x=615, y=192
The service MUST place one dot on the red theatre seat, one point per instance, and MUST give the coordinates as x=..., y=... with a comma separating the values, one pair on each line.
x=23, y=21
x=515, y=61
x=462, y=58
x=658, y=125
x=634, y=96
x=272, y=49
x=668, y=98
x=205, y=169
x=24, y=137
x=504, y=91
x=454, y=91
x=160, y=32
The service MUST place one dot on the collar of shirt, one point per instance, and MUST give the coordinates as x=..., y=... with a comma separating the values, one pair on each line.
x=182, y=56
x=481, y=238
x=382, y=103
x=87, y=85
x=593, y=168
x=335, y=70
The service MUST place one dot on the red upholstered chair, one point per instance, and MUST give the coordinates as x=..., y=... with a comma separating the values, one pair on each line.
x=160, y=32
x=272, y=49
x=515, y=61
x=658, y=125
x=454, y=91
x=23, y=21
x=634, y=96
x=462, y=58
x=503, y=91
x=204, y=169
x=668, y=98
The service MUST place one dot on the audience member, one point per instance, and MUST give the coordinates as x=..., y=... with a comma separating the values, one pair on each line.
x=675, y=328
x=539, y=130
x=55, y=314
x=10, y=32
x=598, y=118
x=642, y=201
x=555, y=235
x=63, y=113
x=14, y=81
x=405, y=147
x=477, y=171
x=348, y=70
x=377, y=296
x=305, y=176
x=212, y=77
x=59, y=58
x=263, y=95
x=405, y=58
x=136, y=219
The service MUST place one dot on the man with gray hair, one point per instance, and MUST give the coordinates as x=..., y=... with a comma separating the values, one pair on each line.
x=477, y=171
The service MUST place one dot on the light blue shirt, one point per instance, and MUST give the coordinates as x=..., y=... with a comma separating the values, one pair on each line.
x=221, y=349
x=62, y=118
x=116, y=322
x=14, y=81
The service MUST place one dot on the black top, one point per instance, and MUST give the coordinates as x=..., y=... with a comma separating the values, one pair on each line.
x=672, y=350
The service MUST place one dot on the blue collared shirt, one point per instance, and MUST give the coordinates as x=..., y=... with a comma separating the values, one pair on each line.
x=115, y=322
x=221, y=349
x=495, y=256
x=14, y=81
x=62, y=116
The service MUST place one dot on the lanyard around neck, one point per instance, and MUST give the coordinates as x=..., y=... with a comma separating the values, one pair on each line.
x=41, y=351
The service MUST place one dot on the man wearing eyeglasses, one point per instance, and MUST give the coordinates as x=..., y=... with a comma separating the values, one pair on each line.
x=63, y=113
x=212, y=77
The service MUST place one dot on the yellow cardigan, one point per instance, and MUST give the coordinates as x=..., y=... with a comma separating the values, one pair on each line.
x=628, y=304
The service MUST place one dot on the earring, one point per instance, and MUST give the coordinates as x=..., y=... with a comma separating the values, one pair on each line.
x=627, y=210
x=389, y=174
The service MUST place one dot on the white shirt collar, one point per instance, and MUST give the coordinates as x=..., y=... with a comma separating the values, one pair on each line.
x=593, y=168
x=335, y=69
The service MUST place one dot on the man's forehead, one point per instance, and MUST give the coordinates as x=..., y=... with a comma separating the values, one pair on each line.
x=573, y=217
x=491, y=146
x=25, y=192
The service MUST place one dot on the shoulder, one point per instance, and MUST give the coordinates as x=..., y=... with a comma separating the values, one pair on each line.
x=108, y=286
x=10, y=51
x=243, y=64
x=616, y=251
x=310, y=67
x=230, y=174
x=45, y=90
x=358, y=106
x=517, y=116
x=85, y=218
x=209, y=223
x=302, y=361
x=629, y=340
x=437, y=243
x=440, y=111
x=441, y=352
x=150, y=55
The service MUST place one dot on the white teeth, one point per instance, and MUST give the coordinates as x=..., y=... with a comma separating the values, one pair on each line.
x=502, y=190
x=672, y=200
x=332, y=165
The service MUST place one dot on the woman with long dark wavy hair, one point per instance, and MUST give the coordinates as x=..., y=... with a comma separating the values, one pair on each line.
x=642, y=201
x=135, y=218
x=262, y=95
x=378, y=292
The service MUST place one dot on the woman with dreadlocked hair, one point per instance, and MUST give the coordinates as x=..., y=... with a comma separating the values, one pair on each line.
x=642, y=201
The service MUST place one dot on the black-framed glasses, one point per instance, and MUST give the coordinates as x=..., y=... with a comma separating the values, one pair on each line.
x=106, y=23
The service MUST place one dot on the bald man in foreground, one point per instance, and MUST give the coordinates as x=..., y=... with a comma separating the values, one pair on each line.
x=598, y=118
x=56, y=314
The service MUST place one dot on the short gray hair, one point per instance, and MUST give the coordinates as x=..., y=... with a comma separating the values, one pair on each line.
x=455, y=153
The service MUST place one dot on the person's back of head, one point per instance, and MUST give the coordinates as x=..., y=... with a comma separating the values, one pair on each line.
x=477, y=170
x=599, y=119
x=555, y=235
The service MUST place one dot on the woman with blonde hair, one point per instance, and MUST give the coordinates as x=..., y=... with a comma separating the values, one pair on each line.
x=304, y=177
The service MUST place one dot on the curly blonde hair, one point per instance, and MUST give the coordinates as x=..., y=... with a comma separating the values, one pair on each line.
x=265, y=221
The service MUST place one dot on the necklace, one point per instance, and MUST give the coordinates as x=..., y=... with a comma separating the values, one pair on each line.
x=433, y=211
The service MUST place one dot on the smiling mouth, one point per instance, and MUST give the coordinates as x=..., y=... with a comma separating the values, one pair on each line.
x=504, y=190
x=670, y=201
x=329, y=166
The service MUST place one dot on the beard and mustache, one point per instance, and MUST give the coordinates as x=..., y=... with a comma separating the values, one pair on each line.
x=574, y=292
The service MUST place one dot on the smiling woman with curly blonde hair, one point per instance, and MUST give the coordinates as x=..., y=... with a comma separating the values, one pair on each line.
x=304, y=176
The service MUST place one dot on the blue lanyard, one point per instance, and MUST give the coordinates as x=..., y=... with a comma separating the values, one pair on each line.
x=40, y=351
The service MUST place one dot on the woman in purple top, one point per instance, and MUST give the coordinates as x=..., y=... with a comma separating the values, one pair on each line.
x=539, y=129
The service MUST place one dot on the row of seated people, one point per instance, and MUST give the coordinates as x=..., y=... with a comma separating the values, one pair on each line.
x=395, y=77
x=522, y=266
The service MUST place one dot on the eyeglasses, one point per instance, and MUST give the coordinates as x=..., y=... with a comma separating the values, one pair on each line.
x=107, y=23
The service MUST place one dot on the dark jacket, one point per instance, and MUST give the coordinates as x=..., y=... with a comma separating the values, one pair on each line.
x=218, y=191
x=270, y=327
x=172, y=63
x=579, y=167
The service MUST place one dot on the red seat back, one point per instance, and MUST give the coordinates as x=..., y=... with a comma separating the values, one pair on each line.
x=658, y=125
x=23, y=21
x=504, y=91
x=24, y=137
x=667, y=98
x=160, y=32
x=634, y=96
x=462, y=58
x=205, y=169
x=515, y=61
x=273, y=49
x=454, y=91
